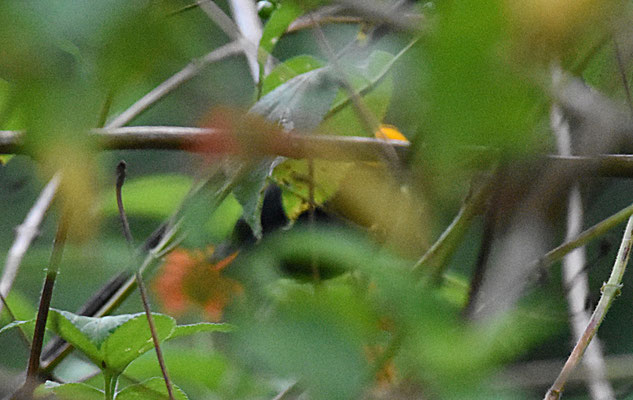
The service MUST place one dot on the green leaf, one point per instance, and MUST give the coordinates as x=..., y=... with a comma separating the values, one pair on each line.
x=134, y=338
x=249, y=192
x=84, y=333
x=110, y=342
x=151, y=389
x=276, y=26
x=289, y=69
x=5, y=158
x=192, y=329
x=294, y=179
x=223, y=219
x=375, y=85
x=298, y=104
x=70, y=391
x=16, y=324
x=155, y=196
x=20, y=306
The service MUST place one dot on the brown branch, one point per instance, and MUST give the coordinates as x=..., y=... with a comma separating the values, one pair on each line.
x=325, y=147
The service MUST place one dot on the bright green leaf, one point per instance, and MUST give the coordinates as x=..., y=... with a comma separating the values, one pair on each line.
x=109, y=342
x=151, y=389
x=84, y=333
x=134, y=338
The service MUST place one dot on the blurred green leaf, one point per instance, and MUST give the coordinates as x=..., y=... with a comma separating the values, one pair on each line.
x=223, y=219
x=299, y=104
x=474, y=94
x=151, y=389
x=192, y=329
x=318, y=336
x=289, y=69
x=156, y=196
x=375, y=85
x=294, y=179
x=70, y=391
x=279, y=21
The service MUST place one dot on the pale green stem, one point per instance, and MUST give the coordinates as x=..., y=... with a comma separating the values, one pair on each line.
x=610, y=290
x=110, y=382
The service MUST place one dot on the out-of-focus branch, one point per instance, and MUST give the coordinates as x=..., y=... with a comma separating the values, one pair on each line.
x=182, y=76
x=574, y=274
x=248, y=22
x=327, y=147
x=26, y=233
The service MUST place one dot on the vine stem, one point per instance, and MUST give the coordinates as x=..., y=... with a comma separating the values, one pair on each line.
x=610, y=290
x=120, y=180
x=33, y=367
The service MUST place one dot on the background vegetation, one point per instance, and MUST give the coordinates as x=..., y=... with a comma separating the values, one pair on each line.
x=356, y=199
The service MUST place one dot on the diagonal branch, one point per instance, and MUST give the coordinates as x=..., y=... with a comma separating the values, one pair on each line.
x=182, y=76
x=610, y=290
x=26, y=233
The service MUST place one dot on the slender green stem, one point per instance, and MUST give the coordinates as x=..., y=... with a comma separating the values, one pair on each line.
x=110, y=383
x=47, y=294
x=610, y=291
x=436, y=258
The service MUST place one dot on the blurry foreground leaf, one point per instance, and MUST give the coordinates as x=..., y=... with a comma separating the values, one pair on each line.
x=289, y=69
x=325, y=324
x=375, y=85
x=297, y=105
x=279, y=21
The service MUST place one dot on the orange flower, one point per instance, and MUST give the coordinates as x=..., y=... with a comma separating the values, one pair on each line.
x=189, y=279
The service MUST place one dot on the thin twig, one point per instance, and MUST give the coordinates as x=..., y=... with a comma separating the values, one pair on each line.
x=610, y=290
x=120, y=180
x=125, y=225
x=33, y=367
x=26, y=233
x=573, y=267
x=173, y=82
x=438, y=254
